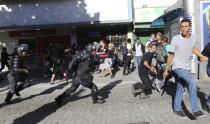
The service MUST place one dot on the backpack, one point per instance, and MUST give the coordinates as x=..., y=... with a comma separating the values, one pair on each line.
x=161, y=54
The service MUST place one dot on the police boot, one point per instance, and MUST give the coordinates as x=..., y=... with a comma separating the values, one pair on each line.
x=18, y=89
x=94, y=93
x=8, y=97
x=59, y=99
x=137, y=89
x=145, y=94
x=96, y=99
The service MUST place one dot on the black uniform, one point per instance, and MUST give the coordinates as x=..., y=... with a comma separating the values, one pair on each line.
x=144, y=73
x=206, y=52
x=81, y=63
x=4, y=58
x=17, y=74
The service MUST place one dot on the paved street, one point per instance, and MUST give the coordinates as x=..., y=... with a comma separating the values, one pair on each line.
x=37, y=105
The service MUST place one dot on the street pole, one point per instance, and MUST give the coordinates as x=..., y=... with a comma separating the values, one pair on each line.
x=189, y=12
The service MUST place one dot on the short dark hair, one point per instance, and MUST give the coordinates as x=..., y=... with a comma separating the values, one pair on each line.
x=186, y=20
x=4, y=49
x=164, y=39
x=159, y=33
x=129, y=40
x=152, y=44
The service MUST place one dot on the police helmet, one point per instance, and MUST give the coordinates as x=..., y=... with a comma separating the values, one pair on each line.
x=21, y=48
x=84, y=55
x=90, y=47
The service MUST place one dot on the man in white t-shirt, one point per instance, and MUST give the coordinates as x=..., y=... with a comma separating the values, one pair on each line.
x=182, y=47
x=128, y=58
x=139, y=52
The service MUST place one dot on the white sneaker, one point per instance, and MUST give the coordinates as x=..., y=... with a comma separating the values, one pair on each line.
x=158, y=85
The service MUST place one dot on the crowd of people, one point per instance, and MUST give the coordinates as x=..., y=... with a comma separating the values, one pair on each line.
x=158, y=59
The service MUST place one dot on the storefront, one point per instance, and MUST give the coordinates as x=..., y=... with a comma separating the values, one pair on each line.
x=38, y=40
x=114, y=33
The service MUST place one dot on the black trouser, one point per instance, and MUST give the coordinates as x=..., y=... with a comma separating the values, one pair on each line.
x=124, y=59
x=147, y=84
x=14, y=87
x=127, y=64
x=3, y=64
x=76, y=82
x=48, y=71
x=14, y=79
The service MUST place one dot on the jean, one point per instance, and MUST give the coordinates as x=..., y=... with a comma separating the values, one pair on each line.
x=183, y=77
x=208, y=101
x=208, y=71
x=127, y=65
x=138, y=60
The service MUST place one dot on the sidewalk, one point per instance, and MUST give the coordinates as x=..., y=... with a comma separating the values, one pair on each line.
x=36, y=104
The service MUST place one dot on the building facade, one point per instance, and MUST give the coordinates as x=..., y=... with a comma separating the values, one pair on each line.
x=68, y=22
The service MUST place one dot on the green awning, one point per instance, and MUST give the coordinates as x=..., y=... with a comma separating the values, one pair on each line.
x=144, y=26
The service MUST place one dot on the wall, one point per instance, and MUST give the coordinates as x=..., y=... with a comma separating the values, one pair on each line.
x=45, y=12
x=147, y=11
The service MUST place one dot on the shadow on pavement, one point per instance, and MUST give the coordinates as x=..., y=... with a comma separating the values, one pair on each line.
x=203, y=100
x=106, y=90
x=48, y=91
x=49, y=108
x=103, y=92
x=39, y=114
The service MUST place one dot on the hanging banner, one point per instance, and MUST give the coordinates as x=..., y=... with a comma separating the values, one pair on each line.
x=205, y=20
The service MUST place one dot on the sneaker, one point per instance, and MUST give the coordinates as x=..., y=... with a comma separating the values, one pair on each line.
x=99, y=101
x=8, y=98
x=144, y=96
x=181, y=114
x=52, y=83
x=158, y=88
x=17, y=93
x=199, y=114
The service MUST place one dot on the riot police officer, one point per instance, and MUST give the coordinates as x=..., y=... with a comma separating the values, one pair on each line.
x=17, y=72
x=81, y=63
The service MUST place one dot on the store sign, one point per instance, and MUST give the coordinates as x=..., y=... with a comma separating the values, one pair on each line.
x=205, y=20
x=31, y=33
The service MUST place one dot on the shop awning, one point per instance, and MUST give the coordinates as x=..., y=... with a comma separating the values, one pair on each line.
x=140, y=26
x=167, y=17
x=143, y=26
